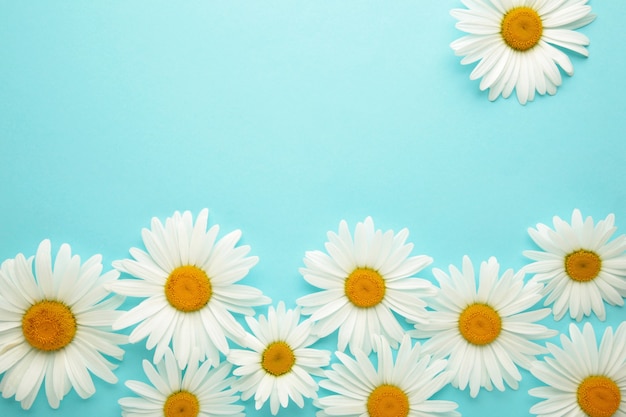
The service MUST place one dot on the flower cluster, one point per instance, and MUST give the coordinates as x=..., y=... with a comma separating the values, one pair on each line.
x=478, y=326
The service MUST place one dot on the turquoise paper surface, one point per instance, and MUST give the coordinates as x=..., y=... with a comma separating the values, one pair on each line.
x=284, y=118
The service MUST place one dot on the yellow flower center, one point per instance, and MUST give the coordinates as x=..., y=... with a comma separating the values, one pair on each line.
x=365, y=287
x=49, y=325
x=583, y=265
x=278, y=359
x=598, y=396
x=521, y=28
x=181, y=404
x=388, y=401
x=188, y=288
x=480, y=324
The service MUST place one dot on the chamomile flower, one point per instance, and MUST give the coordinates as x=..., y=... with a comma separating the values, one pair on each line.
x=363, y=281
x=579, y=266
x=519, y=43
x=400, y=389
x=280, y=363
x=200, y=392
x=486, y=332
x=583, y=380
x=188, y=277
x=55, y=325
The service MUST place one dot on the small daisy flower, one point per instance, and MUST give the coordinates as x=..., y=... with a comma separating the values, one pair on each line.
x=519, y=43
x=280, y=364
x=200, y=392
x=579, y=266
x=400, y=389
x=189, y=280
x=486, y=332
x=583, y=380
x=55, y=325
x=364, y=280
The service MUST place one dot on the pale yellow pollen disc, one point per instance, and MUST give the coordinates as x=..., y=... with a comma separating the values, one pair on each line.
x=598, y=396
x=188, y=288
x=278, y=359
x=583, y=265
x=521, y=28
x=480, y=324
x=181, y=404
x=388, y=401
x=365, y=287
x=49, y=325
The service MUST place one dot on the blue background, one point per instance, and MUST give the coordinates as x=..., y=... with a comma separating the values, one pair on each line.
x=283, y=118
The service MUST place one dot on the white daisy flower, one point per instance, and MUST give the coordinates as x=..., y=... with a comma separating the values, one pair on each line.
x=400, y=389
x=583, y=380
x=200, y=392
x=579, y=265
x=189, y=278
x=363, y=281
x=280, y=364
x=486, y=332
x=519, y=43
x=55, y=325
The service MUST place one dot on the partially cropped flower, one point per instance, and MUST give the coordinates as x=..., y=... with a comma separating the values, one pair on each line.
x=485, y=331
x=280, y=363
x=395, y=389
x=188, y=277
x=55, y=325
x=200, y=392
x=579, y=265
x=582, y=378
x=519, y=44
x=363, y=281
